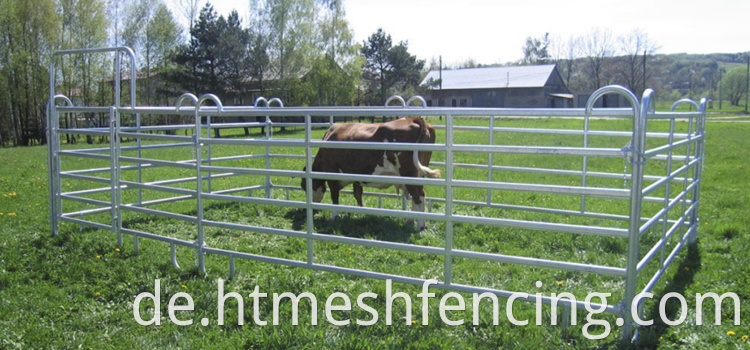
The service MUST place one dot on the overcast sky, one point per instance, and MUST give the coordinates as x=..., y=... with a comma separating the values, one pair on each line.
x=494, y=31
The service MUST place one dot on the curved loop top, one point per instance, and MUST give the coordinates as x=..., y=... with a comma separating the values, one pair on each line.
x=259, y=100
x=417, y=98
x=682, y=102
x=64, y=98
x=211, y=97
x=397, y=98
x=703, y=104
x=184, y=97
x=277, y=100
x=612, y=89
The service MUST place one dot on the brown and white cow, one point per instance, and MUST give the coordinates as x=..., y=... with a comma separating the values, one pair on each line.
x=375, y=162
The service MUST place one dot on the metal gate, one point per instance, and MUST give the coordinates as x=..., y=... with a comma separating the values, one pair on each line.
x=626, y=184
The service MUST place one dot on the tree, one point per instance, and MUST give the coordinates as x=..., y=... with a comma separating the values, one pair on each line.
x=288, y=26
x=598, y=47
x=336, y=68
x=189, y=9
x=116, y=18
x=152, y=32
x=535, y=51
x=198, y=62
x=27, y=37
x=233, y=51
x=378, y=66
x=327, y=84
x=636, y=47
x=388, y=69
x=734, y=85
x=407, y=69
x=564, y=54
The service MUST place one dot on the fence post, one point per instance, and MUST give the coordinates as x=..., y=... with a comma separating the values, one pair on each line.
x=636, y=197
x=698, y=171
x=114, y=154
x=198, y=146
x=448, y=273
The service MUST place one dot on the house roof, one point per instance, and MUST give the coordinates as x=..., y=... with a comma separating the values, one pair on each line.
x=493, y=77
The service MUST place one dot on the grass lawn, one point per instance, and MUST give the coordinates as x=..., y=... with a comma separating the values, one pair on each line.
x=78, y=289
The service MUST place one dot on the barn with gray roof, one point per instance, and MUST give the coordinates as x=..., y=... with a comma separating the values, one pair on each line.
x=513, y=86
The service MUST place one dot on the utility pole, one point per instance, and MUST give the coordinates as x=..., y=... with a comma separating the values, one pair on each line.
x=440, y=79
x=747, y=80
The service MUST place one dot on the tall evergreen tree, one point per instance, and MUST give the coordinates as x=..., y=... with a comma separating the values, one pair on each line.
x=388, y=69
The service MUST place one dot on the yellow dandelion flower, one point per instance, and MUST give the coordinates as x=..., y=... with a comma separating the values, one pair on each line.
x=98, y=256
x=12, y=214
x=98, y=294
x=745, y=337
x=413, y=322
x=184, y=286
x=730, y=333
x=117, y=249
x=559, y=283
x=1, y=214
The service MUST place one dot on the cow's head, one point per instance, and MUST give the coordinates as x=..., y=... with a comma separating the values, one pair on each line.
x=319, y=187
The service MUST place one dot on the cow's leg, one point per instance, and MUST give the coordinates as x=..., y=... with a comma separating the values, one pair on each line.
x=358, y=193
x=335, y=187
x=417, y=196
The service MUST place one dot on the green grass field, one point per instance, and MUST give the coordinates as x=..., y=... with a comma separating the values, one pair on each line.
x=78, y=289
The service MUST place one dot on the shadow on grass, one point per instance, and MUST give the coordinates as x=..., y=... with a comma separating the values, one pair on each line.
x=356, y=226
x=684, y=276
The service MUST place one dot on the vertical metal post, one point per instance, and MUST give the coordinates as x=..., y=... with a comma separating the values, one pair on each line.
x=198, y=146
x=491, y=159
x=114, y=140
x=118, y=176
x=114, y=182
x=698, y=172
x=309, y=192
x=52, y=171
x=269, y=135
x=52, y=125
x=584, y=177
x=208, y=151
x=448, y=199
x=640, y=120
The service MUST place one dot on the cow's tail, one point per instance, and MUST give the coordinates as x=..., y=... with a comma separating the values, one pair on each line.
x=423, y=170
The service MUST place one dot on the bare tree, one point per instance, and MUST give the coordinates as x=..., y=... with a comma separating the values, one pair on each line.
x=598, y=47
x=636, y=47
x=564, y=54
x=189, y=9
